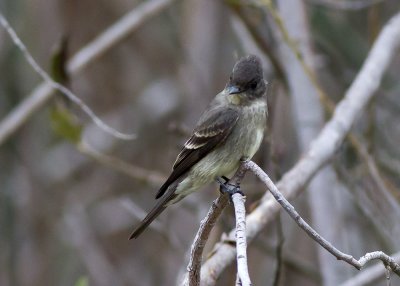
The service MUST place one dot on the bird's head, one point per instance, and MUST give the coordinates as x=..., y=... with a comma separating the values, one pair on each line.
x=246, y=80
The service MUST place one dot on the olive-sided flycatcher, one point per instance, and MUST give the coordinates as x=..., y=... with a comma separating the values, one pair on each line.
x=231, y=129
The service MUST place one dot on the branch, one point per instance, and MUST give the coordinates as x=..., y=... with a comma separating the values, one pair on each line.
x=279, y=252
x=88, y=54
x=323, y=147
x=303, y=85
x=196, y=252
x=119, y=165
x=390, y=262
x=241, y=243
x=352, y=5
x=206, y=225
x=370, y=274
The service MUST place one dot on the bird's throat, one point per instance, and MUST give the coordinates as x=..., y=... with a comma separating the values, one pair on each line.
x=235, y=99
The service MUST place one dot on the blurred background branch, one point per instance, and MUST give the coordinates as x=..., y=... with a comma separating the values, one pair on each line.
x=110, y=37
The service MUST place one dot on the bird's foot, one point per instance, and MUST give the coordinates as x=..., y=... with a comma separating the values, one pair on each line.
x=225, y=187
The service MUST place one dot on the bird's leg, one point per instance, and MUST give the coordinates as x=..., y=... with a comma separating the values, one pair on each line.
x=225, y=178
x=225, y=187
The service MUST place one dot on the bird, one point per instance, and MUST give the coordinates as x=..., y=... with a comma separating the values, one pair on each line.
x=231, y=129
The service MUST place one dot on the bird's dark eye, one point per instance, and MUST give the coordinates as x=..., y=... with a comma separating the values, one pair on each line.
x=253, y=84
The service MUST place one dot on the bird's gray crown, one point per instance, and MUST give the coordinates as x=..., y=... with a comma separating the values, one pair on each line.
x=247, y=69
x=247, y=75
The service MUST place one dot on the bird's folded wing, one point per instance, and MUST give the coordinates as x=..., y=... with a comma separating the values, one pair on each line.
x=209, y=134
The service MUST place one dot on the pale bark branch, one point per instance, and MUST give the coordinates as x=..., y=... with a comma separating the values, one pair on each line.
x=192, y=278
x=386, y=259
x=370, y=274
x=88, y=54
x=323, y=147
x=241, y=242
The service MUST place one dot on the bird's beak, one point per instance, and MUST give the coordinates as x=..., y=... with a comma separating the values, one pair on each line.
x=233, y=89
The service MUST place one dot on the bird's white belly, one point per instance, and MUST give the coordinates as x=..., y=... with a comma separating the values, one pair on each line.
x=253, y=146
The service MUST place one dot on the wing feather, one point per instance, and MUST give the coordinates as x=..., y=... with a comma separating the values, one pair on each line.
x=206, y=136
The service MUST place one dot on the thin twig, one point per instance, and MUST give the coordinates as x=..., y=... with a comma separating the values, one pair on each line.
x=241, y=243
x=323, y=147
x=55, y=85
x=130, y=170
x=87, y=55
x=395, y=267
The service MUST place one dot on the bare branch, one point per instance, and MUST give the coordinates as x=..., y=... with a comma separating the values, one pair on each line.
x=241, y=243
x=196, y=252
x=370, y=274
x=312, y=233
x=88, y=54
x=324, y=146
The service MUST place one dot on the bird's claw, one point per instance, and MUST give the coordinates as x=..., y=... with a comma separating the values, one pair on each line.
x=225, y=187
x=219, y=180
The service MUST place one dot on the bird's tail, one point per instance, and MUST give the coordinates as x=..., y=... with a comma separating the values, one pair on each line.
x=157, y=209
